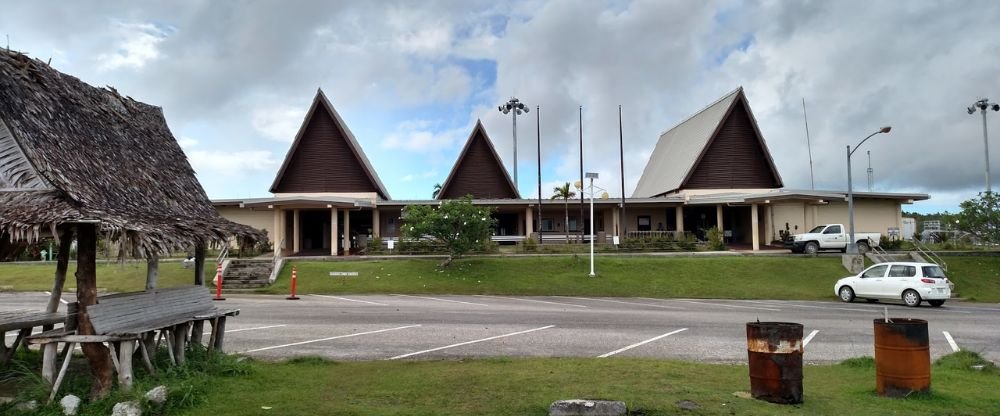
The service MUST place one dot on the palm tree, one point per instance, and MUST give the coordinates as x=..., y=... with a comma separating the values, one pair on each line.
x=563, y=193
x=437, y=190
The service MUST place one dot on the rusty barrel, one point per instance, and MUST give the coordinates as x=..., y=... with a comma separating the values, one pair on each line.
x=774, y=350
x=902, y=357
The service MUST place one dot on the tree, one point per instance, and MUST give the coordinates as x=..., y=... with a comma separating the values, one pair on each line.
x=563, y=193
x=981, y=217
x=437, y=191
x=458, y=224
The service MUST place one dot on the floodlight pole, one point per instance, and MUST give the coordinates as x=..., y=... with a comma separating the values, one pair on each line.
x=592, y=176
x=983, y=104
x=852, y=245
x=515, y=107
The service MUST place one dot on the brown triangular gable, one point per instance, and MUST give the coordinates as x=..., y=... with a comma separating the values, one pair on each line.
x=325, y=157
x=736, y=155
x=479, y=171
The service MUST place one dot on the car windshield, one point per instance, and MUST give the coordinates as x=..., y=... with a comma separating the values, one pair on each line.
x=818, y=229
x=933, y=271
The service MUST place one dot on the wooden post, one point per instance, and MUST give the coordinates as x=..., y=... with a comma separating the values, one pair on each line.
x=179, y=332
x=220, y=331
x=86, y=294
x=199, y=263
x=152, y=271
x=197, y=329
x=62, y=265
x=126, y=348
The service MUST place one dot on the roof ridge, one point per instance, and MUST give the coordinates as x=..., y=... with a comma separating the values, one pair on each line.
x=717, y=101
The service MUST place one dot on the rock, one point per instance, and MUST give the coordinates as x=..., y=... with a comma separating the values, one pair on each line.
x=588, y=408
x=687, y=405
x=70, y=404
x=127, y=409
x=27, y=406
x=157, y=395
x=743, y=394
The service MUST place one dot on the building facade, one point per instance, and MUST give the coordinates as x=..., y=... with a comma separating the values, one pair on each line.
x=711, y=170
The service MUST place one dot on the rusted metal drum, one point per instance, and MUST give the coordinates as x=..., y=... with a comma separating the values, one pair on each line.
x=902, y=357
x=774, y=350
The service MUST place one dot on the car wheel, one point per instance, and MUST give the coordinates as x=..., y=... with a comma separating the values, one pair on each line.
x=811, y=248
x=863, y=247
x=911, y=298
x=846, y=294
x=936, y=303
x=870, y=300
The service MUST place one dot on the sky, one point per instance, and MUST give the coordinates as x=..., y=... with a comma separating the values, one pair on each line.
x=410, y=79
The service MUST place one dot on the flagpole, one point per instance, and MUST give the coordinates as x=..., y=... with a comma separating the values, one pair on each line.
x=579, y=221
x=538, y=126
x=622, y=222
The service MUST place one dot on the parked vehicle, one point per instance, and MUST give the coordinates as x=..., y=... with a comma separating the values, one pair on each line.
x=832, y=237
x=910, y=282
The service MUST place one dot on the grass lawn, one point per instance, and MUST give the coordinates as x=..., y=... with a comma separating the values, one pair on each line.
x=220, y=385
x=785, y=277
x=527, y=387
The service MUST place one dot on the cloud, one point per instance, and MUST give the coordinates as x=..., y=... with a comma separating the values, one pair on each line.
x=137, y=44
x=278, y=122
x=232, y=164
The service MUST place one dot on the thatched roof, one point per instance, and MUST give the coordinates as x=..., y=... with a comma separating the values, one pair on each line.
x=72, y=153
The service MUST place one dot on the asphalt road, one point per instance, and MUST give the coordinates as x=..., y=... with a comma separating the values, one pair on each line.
x=381, y=327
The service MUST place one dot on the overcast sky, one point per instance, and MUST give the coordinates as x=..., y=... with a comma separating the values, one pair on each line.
x=411, y=78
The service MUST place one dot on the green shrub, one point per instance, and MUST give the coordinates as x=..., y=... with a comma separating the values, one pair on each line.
x=715, y=240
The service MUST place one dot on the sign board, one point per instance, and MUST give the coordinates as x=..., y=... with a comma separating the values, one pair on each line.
x=345, y=274
x=392, y=244
x=615, y=240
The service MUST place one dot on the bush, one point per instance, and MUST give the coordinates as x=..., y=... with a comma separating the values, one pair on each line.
x=715, y=240
x=529, y=245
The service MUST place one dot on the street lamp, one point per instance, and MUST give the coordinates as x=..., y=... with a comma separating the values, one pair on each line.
x=982, y=105
x=515, y=107
x=852, y=245
x=592, y=176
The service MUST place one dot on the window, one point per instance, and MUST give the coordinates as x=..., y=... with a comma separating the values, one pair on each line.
x=600, y=222
x=933, y=272
x=392, y=225
x=547, y=224
x=902, y=271
x=876, y=271
x=572, y=224
x=833, y=229
x=643, y=222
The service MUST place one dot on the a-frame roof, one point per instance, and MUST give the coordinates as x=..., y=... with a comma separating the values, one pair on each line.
x=325, y=157
x=479, y=171
x=720, y=147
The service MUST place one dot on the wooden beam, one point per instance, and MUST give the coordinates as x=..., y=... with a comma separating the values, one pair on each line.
x=152, y=271
x=86, y=294
x=199, y=263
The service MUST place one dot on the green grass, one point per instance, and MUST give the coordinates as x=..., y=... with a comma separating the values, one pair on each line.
x=791, y=277
x=221, y=385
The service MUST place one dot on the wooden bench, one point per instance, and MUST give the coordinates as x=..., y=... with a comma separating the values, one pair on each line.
x=147, y=317
x=24, y=322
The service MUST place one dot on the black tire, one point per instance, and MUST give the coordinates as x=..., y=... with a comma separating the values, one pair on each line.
x=846, y=294
x=911, y=298
x=863, y=247
x=811, y=248
x=936, y=303
x=870, y=300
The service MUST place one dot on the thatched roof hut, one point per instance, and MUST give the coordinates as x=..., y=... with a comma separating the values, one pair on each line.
x=73, y=153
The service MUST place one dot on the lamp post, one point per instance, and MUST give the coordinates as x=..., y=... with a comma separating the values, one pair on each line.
x=515, y=107
x=852, y=245
x=982, y=105
x=592, y=176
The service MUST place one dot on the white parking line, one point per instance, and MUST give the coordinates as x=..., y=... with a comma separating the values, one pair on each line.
x=640, y=343
x=350, y=300
x=728, y=306
x=630, y=303
x=809, y=337
x=443, y=300
x=795, y=305
x=251, y=329
x=60, y=299
x=951, y=341
x=469, y=342
x=330, y=338
x=532, y=300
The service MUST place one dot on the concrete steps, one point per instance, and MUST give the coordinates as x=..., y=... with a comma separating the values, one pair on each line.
x=247, y=273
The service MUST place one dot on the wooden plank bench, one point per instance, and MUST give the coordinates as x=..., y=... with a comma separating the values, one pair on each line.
x=24, y=322
x=124, y=318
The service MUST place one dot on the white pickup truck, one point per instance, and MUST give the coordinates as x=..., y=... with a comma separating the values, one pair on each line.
x=832, y=237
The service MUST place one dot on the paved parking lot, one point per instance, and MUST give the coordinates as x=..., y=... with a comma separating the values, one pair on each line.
x=386, y=327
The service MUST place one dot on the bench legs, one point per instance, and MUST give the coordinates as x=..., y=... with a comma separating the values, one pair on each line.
x=7, y=353
x=62, y=371
x=197, y=329
x=125, y=351
x=179, y=334
x=217, y=339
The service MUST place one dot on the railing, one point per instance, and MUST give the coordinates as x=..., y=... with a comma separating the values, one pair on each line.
x=223, y=254
x=881, y=256
x=929, y=255
x=676, y=235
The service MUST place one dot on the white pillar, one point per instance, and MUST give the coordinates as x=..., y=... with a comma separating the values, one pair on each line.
x=754, y=227
x=680, y=218
x=529, y=221
x=616, y=218
x=376, y=223
x=718, y=218
x=296, y=232
x=347, y=230
x=333, y=232
x=276, y=235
